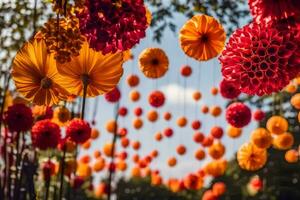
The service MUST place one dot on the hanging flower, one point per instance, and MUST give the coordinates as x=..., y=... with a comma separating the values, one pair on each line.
x=283, y=141
x=217, y=150
x=233, y=132
x=35, y=75
x=134, y=95
x=186, y=71
x=291, y=156
x=113, y=26
x=209, y=195
x=251, y=158
x=153, y=62
x=113, y=96
x=216, y=168
x=219, y=188
x=259, y=115
x=138, y=111
x=45, y=134
x=261, y=138
x=152, y=116
x=260, y=60
x=61, y=115
x=202, y=37
x=217, y=132
x=101, y=73
x=229, y=90
x=18, y=118
x=238, y=115
x=78, y=130
x=133, y=80
x=181, y=150
x=193, y=182
x=123, y=111
x=277, y=125
x=156, y=99
x=200, y=154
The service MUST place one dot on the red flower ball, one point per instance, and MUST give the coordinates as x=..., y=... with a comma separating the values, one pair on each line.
x=261, y=60
x=207, y=141
x=168, y=132
x=123, y=111
x=18, y=118
x=45, y=134
x=229, y=89
x=113, y=26
x=156, y=99
x=217, y=132
x=78, y=130
x=259, y=115
x=196, y=125
x=186, y=71
x=138, y=111
x=48, y=169
x=238, y=115
x=113, y=96
x=198, y=137
x=122, y=132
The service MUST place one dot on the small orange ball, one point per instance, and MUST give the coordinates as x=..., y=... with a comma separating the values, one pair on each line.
x=197, y=95
x=215, y=111
x=261, y=138
x=292, y=156
x=108, y=149
x=172, y=161
x=135, y=158
x=295, y=101
x=167, y=116
x=136, y=172
x=158, y=136
x=214, y=91
x=198, y=137
x=152, y=116
x=97, y=154
x=85, y=159
x=291, y=88
x=219, y=188
x=207, y=141
x=95, y=133
x=200, y=154
x=111, y=126
x=217, y=150
x=136, y=145
x=204, y=109
x=154, y=153
x=137, y=123
x=233, y=132
x=283, y=141
x=134, y=95
x=133, y=80
x=87, y=144
x=181, y=121
x=186, y=71
x=83, y=170
x=181, y=150
x=122, y=165
x=125, y=142
x=99, y=165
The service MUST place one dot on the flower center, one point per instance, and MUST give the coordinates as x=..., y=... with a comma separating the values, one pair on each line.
x=204, y=38
x=154, y=61
x=46, y=83
x=85, y=79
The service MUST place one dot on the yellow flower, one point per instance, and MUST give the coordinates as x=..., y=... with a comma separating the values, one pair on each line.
x=61, y=115
x=35, y=75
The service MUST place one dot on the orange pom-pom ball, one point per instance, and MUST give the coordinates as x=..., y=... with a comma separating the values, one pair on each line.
x=233, y=132
x=172, y=161
x=193, y=182
x=196, y=124
x=108, y=149
x=181, y=150
x=137, y=123
x=87, y=144
x=111, y=126
x=156, y=180
x=135, y=158
x=277, y=125
x=295, y=101
x=134, y=95
x=292, y=156
x=136, y=172
x=158, y=136
x=197, y=95
x=167, y=116
x=142, y=163
x=146, y=172
x=181, y=121
x=283, y=141
x=95, y=133
x=154, y=153
x=262, y=138
x=101, y=190
x=198, y=137
x=216, y=132
x=215, y=111
x=136, y=145
x=122, y=165
x=216, y=168
x=125, y=142
x=204, y=109
x=83, y=170
x=209, y=195
x=207, y=141
x=291, y=88
x=97, y=154
x=85, y=159
x=200, y=154
x=217, y=150
x=219, y=188
x=152, y=115
x=186, y=71
x=133, y=80
x=214, y=91
x=99, y=165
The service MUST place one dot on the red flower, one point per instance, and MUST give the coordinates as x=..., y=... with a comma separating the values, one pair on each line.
x=138, y=111
x=238, y=115
x=113, y=96
x=217, y=132
x=111, y=26
x=45, y=134
x=229, y=89
x=196, y=125
x=156, y=99
x=261, y=60
x=259, y=115
x=48, y=169
x=78, y=130
x=18, y=118
x=186, y=71
x=123, y=111
x=168, y=132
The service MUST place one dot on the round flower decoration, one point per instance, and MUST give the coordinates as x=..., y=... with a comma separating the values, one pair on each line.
x=113, y=96
x=99, y=73
x=45, y=134
x=277, y=125
x=202, y=37
x=61, y=115
x=260, y=60
x=153, y=62
x=78, y=130
x=186, y=71
x=259, y=115
x=156, y=99
x=111, y=26
x=238, y=115
x=251, y=158
x=229, y=90
x=35, y=75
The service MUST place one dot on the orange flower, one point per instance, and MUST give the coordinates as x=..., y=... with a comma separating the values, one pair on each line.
x=35, y=75
x=100, y=72
x=202, y=37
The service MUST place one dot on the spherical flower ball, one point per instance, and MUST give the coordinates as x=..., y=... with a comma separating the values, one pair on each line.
x=181, y=121
x=196, y=124
x=219, y=188
x=216, y=151
x=95, y=133
x=123, y=155
x=152, y=115
x=122, y=132
x=295, y=101
x=181, y=150
x=193, y=182
x=277, y=125
x=45, y=134
x=133, y=80
x=262, y=138
x=207, y=141
x=209, y=195
x=48, y=169
x=111, y=126
x=250, y=157
x=85, y=159
x=138, y=111
x=122, y=165
x=197, y=95
x=99, y=165
x=101, y=190
x=204, y=109
x=283, y=141
x=154, y=153
x=233, y=132
x=134, y=95
x=215, y=111
x=186, y=70
x=229, y=90
x=142, y=164
x=136, y=145
x=156, y=99
x=238, y=115
x=78, y=131
x=216, y=168
x=291, y=156
x=217, y=132
x=97, y=154
x=167, y=116
x=83, y=170
x=214, y=91
x=291, y=88
x=260, y=60
x=123, y=111
x=135, y=158
x=87, y=144
x=18, y=118
x=113, y=96
x=172, y=162
x=137, y=123
x=108, y=149
x=136, y=172
x=158, y=136
x=156, y=180
x=168, y=132
x=200, y=154
x=198, y=137
x=259, y=115
x=125, y=142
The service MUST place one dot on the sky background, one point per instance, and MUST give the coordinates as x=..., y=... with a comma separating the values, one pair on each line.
x=205, y=76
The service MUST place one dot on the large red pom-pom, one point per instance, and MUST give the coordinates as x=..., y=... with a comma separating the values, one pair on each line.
x=261, y=60
x=259, y=115
x=18, y=118
x=238, y=115
x=113, y=96
x=78, y=130
x=156, y=99
x=45, y=134
x=229, y=89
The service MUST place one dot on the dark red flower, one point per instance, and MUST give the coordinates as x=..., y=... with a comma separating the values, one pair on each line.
x=261, y=60
x=138, y=111
x=156, y=99
x=186, y=71
x=113, y=96
x=18, y=118
x=216, y=132
x=45, y=134
x=229, y=89
x=48, y=169
x=259, y=115
x=196, y=125
x=123, y=111
x=112, y=26
x=238, y=115
x=78, y=130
